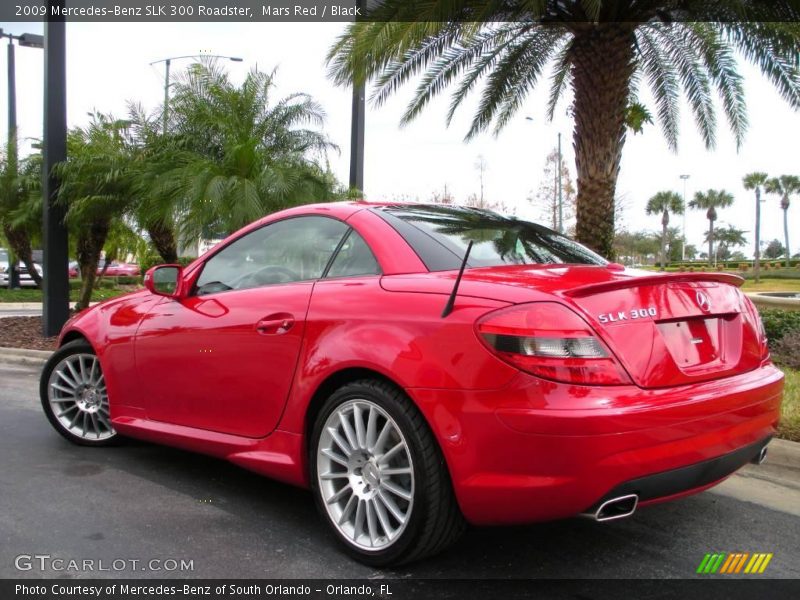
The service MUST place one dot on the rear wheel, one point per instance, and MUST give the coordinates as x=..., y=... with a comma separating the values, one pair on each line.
x=379, y=478
x=74, y=396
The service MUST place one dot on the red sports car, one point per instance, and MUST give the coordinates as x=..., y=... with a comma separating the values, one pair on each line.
x=419, y=367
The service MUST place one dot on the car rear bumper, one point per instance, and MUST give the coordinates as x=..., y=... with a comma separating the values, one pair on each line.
x=538, y=450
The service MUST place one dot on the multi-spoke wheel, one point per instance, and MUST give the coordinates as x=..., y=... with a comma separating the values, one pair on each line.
x=74, y=396
x=379, y=478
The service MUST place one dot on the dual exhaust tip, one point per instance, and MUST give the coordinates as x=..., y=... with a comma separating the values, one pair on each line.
x=624, y=506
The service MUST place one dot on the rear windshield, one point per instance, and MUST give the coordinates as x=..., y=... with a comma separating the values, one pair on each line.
x=440, y=235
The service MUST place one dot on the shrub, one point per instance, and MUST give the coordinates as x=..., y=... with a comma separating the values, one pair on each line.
x=786, y=351
x=778, y=323
x=744, y=267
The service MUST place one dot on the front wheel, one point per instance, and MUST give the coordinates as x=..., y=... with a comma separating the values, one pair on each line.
x=74, y=396
x=379, y=478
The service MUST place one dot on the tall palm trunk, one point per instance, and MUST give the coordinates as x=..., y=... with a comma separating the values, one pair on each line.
x=20, y=243
x=91, y=239
x=664, y=225
x=601, y=71
x=757, y=255
x=711, y=215
x=785, y=207
x=163, y=238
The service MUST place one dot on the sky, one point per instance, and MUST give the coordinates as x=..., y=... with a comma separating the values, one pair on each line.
x=108, y=64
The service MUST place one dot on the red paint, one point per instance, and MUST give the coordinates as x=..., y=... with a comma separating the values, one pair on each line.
x=234, y=374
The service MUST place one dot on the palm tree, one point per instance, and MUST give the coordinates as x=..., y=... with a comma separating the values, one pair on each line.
x=96, y=189
x=602, y=49
x=755, y=181
x=19, y=192
x=237, y=154
x=665, y=203
x=726, y=238
x=784, y=186
x=710, y=201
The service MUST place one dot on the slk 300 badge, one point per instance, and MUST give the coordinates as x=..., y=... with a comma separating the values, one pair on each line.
x=628, y=315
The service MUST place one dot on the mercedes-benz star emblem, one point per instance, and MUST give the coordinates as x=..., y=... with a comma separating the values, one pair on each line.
x=703, y=302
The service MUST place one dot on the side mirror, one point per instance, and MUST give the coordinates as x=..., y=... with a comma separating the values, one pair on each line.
x=164, y=280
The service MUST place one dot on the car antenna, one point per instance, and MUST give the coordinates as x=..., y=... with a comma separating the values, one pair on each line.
x=448, y=308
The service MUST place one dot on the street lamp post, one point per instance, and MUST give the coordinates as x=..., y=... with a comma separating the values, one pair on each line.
x=55, y=311
x=29, y=40
x=683, y=245
x=357, y=126
x=560, y=198
x=167, y=63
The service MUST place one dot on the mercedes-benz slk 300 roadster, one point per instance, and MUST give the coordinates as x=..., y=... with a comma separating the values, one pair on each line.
x=422, y=367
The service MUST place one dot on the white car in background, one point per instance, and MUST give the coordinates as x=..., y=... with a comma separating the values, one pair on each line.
x=25, y=279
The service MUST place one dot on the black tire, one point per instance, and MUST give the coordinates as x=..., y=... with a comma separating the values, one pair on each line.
x=72, y=349
x=435, y=520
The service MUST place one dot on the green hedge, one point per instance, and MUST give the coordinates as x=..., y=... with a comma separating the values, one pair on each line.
x=778, y=323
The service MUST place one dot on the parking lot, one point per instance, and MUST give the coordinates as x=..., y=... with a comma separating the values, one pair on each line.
x=139, y=503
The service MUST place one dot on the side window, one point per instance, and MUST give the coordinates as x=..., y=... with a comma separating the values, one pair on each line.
x=354, y=258
x=296, y=249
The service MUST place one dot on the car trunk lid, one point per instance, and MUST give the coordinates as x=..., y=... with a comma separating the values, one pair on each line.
x=671, y=330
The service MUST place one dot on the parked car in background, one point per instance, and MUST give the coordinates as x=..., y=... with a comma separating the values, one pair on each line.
x=25, y=280
x=115, y=269
x=120, y=269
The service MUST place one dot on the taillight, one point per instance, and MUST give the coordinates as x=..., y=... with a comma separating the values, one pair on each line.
x=755, y=316
x=551, y=341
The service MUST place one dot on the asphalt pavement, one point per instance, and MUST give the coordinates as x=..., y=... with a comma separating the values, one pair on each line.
x=139, y=503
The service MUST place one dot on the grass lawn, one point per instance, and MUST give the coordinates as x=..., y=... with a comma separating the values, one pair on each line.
x=789, y=428
x=772, y=285
x=35, y=295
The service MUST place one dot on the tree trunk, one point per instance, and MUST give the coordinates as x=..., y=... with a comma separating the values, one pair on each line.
x=602, y=67
x=91, y=239
x=785, y=207
x=20, y=243
x=163, y=238
x=664, y=225
x=757, y=255
x=711, y=260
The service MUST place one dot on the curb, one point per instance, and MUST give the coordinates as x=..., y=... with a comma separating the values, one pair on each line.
x=12, y=306
x=24, y=356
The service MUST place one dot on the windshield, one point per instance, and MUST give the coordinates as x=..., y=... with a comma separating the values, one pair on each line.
x=440, y=235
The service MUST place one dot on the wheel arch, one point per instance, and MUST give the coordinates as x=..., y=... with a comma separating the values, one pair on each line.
x=72, y=336
x=332, y=383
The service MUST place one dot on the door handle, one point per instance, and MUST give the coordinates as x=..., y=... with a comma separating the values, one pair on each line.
x=276, y=324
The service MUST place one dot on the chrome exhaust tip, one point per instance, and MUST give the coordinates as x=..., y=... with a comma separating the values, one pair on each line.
x=760, y=457
x=615, y=508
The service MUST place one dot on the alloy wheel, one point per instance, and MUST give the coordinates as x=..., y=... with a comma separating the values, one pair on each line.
x=365, y=474
x=78, y=398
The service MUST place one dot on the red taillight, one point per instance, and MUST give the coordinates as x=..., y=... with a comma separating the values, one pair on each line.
x=755, y=317
x=551, y=341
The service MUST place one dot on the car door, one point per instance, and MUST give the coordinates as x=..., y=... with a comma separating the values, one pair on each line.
x=223, y=358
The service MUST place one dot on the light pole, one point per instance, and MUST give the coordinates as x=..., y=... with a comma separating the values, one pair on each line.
x=560, y=198
x=683, y=245
x=357, y=126
x=168, y=62
x=55, y=311
x=557, y=188
x=30, y=40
